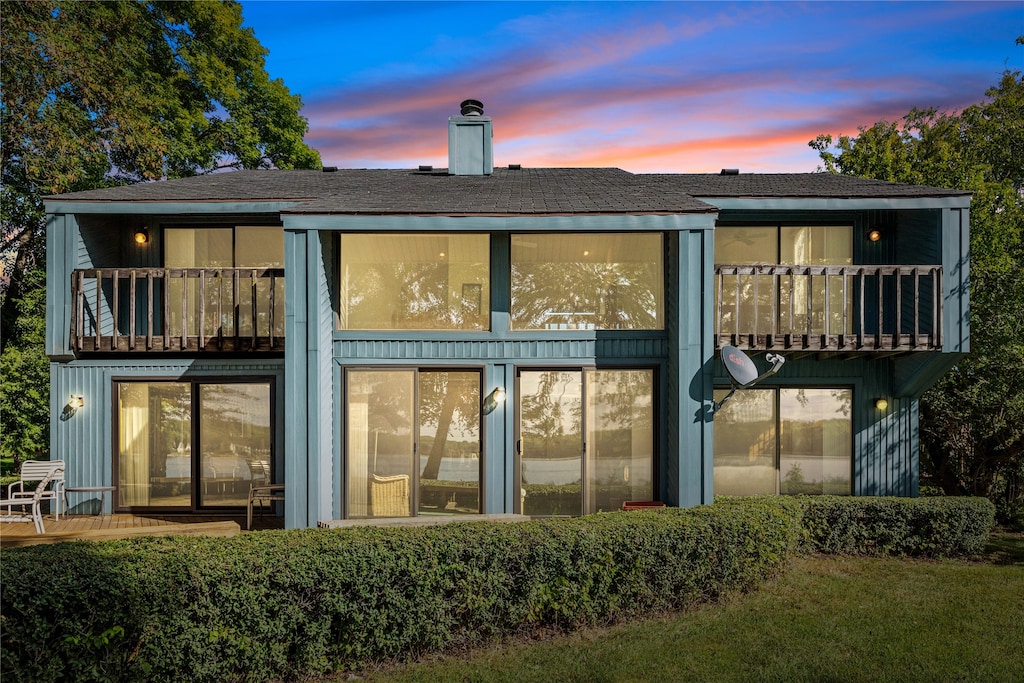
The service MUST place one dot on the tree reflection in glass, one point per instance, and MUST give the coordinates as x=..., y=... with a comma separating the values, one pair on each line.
x=617, y=409
x=551, y=441
x=414, y=282
x=602, y=281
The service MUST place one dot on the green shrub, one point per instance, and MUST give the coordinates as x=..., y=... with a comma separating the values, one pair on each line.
x=289, y=604
x=282, y=605
x=921, y=527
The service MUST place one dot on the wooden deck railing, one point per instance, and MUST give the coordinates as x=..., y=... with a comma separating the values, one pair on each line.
x=177, y=310
x=829, y=308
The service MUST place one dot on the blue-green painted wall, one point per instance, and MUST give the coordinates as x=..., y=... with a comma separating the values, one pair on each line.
x=309, y=378
x=86, y=439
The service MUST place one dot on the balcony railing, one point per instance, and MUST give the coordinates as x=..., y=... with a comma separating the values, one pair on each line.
x=187, y=310
x=829, y=308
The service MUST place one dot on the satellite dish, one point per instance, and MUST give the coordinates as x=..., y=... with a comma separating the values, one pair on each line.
x=741, y=369
x=743, y=372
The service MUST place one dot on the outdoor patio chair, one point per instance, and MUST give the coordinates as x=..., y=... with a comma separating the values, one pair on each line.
x=33, y=501
x=259, y=494
x=38, y=470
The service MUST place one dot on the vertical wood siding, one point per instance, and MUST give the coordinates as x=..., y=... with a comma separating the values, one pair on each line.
x=885, y=444
x=296, y=398
x=687, y=460
x=86, y=439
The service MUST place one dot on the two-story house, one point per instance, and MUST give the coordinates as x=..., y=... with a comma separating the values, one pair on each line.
x=495, y=340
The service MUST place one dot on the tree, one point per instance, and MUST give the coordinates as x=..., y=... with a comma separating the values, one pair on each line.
x=972, y=420
x=105, y=93
x=25, y=381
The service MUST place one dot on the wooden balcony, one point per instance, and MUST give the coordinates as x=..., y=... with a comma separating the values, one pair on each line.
x=177, y=310
x=849, y=309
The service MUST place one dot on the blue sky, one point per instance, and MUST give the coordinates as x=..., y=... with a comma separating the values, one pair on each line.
x=644, y=86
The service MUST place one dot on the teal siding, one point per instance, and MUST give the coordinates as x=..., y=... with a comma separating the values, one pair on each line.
x=296, y=397
x=956, y=249
x=498, y=443
x=86, y=439
x=686, y=474
x=885, y=444
x=61, y=239
x=321, y=396
x=384, y=351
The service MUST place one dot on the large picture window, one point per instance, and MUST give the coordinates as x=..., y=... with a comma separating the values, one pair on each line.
x=415, y=282
x=588, y=281
x=190, y=445
x=767, y=303
x=786, y=441
x=586, y=439
x=412, y=442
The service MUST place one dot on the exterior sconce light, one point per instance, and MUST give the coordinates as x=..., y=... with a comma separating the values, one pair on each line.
x=881, y=404
x=493, y=400
x=875, y=235
x=74, y=403
x=142, y=235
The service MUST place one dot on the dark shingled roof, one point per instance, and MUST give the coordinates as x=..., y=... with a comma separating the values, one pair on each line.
x=505, y=192
x=257, y=185
x=526, y=191
x=763, y=185
x=376, y=191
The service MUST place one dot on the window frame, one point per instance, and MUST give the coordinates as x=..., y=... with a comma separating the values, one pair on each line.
x=483, y=301
x=195, y=435
x=344, y=428
x=777, y=390
x=661, y=317
x=582, y=369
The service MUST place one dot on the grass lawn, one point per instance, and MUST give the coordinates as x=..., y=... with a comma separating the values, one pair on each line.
x=827, y=619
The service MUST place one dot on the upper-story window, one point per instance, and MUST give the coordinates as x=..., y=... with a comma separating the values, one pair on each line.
x=786, y=245
x=224, y=299
x=587, y=281
x=781, y=299
x=415, y=282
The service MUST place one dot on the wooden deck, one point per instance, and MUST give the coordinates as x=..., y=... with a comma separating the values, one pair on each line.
x=106, y=527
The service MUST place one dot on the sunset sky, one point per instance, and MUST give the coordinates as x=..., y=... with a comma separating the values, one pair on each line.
x=643, y=86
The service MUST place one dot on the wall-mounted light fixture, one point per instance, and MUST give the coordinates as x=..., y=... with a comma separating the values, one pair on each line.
x=142, y=235
x=875, y=234
x=75, y=402
x=493, y=400
x=881, y=404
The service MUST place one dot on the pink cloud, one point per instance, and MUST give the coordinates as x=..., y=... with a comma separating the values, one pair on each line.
x=597, y=101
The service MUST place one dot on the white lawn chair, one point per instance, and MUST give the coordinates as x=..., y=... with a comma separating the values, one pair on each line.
x=38, y=470
x=32, y=501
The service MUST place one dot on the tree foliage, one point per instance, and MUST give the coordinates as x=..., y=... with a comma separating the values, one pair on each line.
x=972, y=424
x=25, y=381
x=106, y=93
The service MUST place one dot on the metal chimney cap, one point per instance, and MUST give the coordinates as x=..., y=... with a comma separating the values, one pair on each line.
x=730, y=171
x=471, y=108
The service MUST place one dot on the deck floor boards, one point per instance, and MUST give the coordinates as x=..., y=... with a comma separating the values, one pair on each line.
x=78, y=527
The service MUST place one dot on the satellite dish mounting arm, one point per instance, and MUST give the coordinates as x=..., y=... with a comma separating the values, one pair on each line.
x=742, y=371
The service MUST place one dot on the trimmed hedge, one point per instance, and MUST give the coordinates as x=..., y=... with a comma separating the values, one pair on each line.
x=914, y=527
x=287, y=604
x=281, y=605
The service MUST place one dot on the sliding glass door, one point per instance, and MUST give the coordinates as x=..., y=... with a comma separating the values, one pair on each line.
x=784, y=440
x=586, y=439
x=412, y=442
x=184, y=446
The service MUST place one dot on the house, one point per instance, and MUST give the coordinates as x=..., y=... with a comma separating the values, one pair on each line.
x=485, y=339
